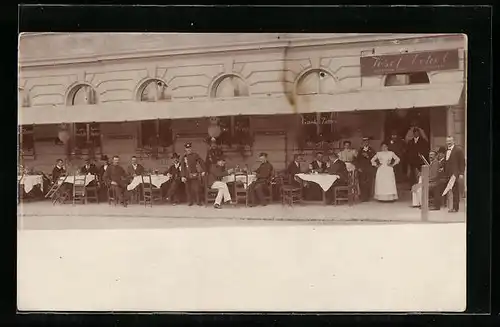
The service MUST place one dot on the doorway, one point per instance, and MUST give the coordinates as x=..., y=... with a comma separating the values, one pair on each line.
x=400, y=120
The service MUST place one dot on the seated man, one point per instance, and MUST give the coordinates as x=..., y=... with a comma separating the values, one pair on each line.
x=89, y=168
x=58, y=170
x=257, y=188
x=135, y=169
x=217, y=172
x=337, y=167
x=293, y=169
x=318, y=165
x=174, y=184
x=117, y=178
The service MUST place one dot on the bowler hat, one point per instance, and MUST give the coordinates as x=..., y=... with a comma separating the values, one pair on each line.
x=263, y=154
x=104, y=157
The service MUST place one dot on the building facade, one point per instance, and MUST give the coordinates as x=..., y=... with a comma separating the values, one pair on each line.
x=147, y=94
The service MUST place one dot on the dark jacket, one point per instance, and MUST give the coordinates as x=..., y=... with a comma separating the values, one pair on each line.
x=92, y=169
x=339, y=168
x=101, y=171
x=216, y=174
x=363, y=160
x=455, y=165
x=414, y=149
x=116, y=174
x=192, y=165
x=265, y=171
x=57, y=172
x=293, y=169
x=139, y=170
x=397, y=146
x=175, y=172
x=212, y=156
x=434, y=176
x=319, y=167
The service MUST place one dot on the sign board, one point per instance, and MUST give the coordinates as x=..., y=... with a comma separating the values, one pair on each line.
x=409, y=62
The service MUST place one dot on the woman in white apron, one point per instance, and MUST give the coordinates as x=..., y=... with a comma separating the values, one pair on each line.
x=385, y=181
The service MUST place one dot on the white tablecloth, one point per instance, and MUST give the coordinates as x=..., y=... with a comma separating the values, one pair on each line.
x=71, y=179
x=240, y=178
x=29, y=181
x=325, y=181
x=156, y=180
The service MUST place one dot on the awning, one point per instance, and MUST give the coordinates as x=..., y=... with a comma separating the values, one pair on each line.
x=394, y=97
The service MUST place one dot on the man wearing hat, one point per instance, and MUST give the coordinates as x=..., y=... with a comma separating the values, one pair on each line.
x=174, y=183
x=217, y=172
x=192, y=170
x=264, y=174
x=366, y=170
x=213, y=153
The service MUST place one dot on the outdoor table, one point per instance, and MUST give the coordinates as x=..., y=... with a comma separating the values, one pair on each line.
x=156, y=180
x=240, y=178
x=29, y=181
x=71, y=179
x=325, y=181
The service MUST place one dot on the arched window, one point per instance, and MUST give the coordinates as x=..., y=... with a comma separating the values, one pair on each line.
x=406, y=79
x=154, y=90
x=154, y=135
x=86, y=136
x=230, y=86
x=316, y=81
x=82, y=95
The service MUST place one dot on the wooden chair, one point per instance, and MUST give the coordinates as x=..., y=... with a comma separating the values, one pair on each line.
x=240, y=192
x=92, y=191
x=58, y=191
x=150, y=194
x=79, y=191
x=290, y=193
x=210, y=193
x=347, y=193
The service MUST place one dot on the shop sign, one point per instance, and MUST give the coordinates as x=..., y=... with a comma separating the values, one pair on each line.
x=409, y=62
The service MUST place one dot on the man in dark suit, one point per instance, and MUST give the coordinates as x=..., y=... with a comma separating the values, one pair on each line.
x=174, y=184
x=213, y=153
x=397, y=145
x=435, y=183
x=192, y=170
x=264, y=174
x=337, y=167
x=89, y=168
x=318, y=164
x=135, y=169
x=293, y=169
x=454, y=166
x=366, y=170
x=416, y=147
x=103, y=187
x=117, y=178
x=58, y=170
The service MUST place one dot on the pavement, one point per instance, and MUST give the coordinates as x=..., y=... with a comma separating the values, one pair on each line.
x=40, y=215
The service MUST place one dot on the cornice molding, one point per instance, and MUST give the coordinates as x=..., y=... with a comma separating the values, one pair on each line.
x=348, y=40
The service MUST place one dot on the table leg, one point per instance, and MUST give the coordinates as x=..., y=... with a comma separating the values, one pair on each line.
x=324, y=197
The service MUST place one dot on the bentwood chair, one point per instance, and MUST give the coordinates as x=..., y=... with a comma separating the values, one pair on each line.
x=290, y=193
x=347, y=193
x=150, y=193
x=240, y=191
x=92, y=191
x=79, y=192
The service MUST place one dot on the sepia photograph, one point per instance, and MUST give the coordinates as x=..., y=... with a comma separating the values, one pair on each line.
x=242, y=172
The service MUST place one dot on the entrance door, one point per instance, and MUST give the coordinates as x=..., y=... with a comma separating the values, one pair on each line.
x=400, y=121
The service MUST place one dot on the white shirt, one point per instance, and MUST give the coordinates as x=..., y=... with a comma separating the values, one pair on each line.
x=134, y=166
x=177, y=166
x=105, y=167
x=448, y=152
x=415, y=139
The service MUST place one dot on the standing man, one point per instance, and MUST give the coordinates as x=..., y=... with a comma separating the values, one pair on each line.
x=192, y=169
x=264, y=174
x=397, y=145
x=414, y=126
x=454, y=166
x=366, y=170
x=217, y=172
x=117, y=178
x=103, y=187
x=174, y=172
x=213, y=153
x=135, y=169
x=416, y=147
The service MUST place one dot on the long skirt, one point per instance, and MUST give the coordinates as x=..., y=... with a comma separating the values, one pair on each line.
x=385, y=184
